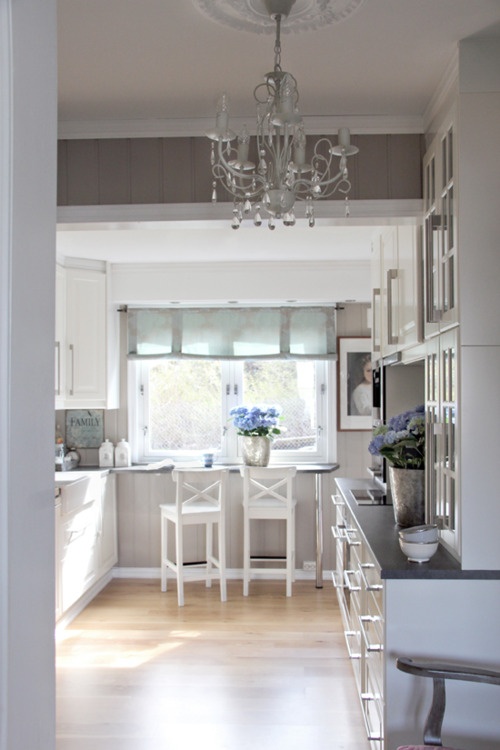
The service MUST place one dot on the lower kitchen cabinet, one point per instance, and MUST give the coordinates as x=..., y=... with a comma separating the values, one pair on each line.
x=360, y=594
x=86, y=541
x=391, y=607
x=107, y=544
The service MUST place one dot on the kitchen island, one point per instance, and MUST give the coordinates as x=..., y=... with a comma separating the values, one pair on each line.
x=391, y=607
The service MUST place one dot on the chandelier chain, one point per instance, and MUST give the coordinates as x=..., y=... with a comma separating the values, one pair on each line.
x=277, y=45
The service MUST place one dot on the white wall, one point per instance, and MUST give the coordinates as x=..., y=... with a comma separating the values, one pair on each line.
x=27, y=241
x=265, y=281
x=479, y=274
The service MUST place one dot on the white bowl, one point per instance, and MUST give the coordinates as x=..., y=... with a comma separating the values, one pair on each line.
x=426, y=533
x=418, y=551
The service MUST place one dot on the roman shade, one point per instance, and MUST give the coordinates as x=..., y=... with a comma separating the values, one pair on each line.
x=232, y=333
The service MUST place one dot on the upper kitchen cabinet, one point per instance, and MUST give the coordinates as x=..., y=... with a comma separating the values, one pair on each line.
x=86, y=341
x=440, y=235
x=396, y=269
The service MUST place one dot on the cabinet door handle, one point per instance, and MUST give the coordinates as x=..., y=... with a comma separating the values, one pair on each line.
x=375, y=336
x=58, y=368
x=338, y=501
x=72, y=359
x=433, y=312
x=392, y=275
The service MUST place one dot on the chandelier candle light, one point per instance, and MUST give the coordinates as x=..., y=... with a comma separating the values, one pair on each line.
x=282, y=175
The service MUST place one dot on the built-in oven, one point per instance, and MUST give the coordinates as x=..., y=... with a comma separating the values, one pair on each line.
x=396, y=388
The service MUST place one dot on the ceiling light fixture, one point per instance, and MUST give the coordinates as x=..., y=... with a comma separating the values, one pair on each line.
x=282, y=174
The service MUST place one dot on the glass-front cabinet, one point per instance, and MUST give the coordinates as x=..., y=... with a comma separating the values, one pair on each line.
x=440, y=234
x=442, y=436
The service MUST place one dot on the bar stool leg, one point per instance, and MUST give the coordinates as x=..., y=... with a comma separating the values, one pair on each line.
x=246, y=554
x=179, y=563
x=164, y=551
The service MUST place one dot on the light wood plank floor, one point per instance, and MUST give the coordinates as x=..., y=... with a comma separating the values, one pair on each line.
x=136, y=672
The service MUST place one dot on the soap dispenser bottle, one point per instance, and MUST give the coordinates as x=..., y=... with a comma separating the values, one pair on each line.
x=122, y=453
x=106, y=454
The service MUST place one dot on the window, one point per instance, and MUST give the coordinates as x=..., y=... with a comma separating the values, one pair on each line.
x=179, y=408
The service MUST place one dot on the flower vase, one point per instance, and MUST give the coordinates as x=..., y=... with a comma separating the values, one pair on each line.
x=256, y=450
x=408, y=496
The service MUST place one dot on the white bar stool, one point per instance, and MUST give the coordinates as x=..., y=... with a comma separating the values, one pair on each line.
x=200, y=499
x=268, y=494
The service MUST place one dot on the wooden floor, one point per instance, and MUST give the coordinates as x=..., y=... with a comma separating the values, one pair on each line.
x=136, y=672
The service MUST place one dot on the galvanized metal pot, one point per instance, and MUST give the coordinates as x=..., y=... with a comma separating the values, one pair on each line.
x=408, y=496
x=256, y=450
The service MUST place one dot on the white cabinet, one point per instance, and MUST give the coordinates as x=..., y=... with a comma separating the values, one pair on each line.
x=58, y=557
x=440, y=234
x=107, y=544
x=396, y=270
x=360, y=593
x=78, y=546
x=86, y=541
x=442, y=437
x=86, y=341
x=60, y=345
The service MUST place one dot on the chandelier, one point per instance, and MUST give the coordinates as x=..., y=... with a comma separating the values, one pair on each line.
x=282, y=174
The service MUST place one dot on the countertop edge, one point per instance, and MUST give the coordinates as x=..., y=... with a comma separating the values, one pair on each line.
x=381, y=535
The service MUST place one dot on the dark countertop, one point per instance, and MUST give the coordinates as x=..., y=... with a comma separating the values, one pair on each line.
x=311, y=468
x=381, y=534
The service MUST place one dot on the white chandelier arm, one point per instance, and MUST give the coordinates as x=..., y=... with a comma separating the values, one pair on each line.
x=223, y=166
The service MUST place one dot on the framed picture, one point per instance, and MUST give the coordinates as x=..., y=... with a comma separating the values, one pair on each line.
x=354, y=384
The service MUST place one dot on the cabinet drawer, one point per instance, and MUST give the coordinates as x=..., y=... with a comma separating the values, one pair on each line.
x=374, y=589
x=78, y=526
x=373, y=712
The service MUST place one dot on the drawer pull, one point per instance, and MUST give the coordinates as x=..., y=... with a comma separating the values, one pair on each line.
x=352, y=654
x=369, y=586
x=339, y=533
x=347, y=574
x=338, y=501
x=369, y=646
x=337, y=579
x=349, y=538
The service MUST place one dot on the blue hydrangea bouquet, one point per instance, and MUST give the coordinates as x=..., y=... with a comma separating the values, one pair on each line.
x=256, y=420
x=402, y=440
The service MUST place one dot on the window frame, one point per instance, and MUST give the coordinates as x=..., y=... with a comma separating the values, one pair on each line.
x=231, y=389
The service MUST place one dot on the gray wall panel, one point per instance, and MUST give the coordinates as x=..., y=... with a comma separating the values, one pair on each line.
x=114, y=171
x=83, y=173
x=177, y=170
x=146, y=170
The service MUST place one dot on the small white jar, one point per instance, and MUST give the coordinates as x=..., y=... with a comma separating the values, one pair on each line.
x=122, y=453
x=106, y=454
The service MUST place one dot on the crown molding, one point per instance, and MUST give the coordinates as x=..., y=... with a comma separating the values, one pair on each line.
x=444, y=94
x=196, y=127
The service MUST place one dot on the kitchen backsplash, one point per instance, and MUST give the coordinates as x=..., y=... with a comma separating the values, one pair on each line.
x=90, y=456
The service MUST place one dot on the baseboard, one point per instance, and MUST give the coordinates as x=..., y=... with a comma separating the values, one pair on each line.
x=232, y=574
x=82, y=602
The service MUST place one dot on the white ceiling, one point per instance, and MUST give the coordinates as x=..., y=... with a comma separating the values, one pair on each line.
x=125, y=60
x=158, y=66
